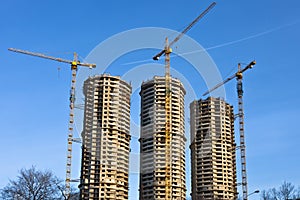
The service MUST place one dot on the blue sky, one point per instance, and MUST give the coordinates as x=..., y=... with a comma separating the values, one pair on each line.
x=35, y=92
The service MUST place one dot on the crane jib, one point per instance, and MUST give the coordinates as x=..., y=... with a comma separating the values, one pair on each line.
x=157, y=56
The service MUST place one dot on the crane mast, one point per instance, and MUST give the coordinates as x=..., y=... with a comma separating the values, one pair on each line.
x=74, y=66
x=168, y=123
x=168, y=118
x=71, y=127
x=239, y=77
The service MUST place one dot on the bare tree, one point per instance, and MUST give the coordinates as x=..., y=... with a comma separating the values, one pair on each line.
x=74, y=195
x=286, y=191
x=265, y=195
x=33, y=184
x=274, y=195
x=297, y=193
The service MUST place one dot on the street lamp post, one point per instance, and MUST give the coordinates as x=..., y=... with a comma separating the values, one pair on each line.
x=256, y=191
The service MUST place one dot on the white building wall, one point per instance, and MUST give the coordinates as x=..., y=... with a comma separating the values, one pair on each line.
x=213, y=147
x=106, y=137
x=152, y=140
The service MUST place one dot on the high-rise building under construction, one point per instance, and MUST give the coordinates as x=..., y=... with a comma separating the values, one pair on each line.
x=153, y=168
x=105, y=137
x=213, y=159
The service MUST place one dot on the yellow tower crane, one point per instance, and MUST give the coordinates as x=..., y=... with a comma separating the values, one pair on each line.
x=239, y=76
x=74, y=66
x=168, y=125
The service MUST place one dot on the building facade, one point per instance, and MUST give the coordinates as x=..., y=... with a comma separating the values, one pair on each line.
x=106, y=138
x=153, y=140
x=213, y=158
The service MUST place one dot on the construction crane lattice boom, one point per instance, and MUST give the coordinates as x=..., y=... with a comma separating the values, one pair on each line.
x=164, y=51
x=74, y=66
x=53, y=58
x=239, y=76
x=168, y=118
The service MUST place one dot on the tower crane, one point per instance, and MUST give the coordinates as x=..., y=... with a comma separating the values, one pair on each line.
x=74, y=66
x=239, y=76
x=166, y=52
